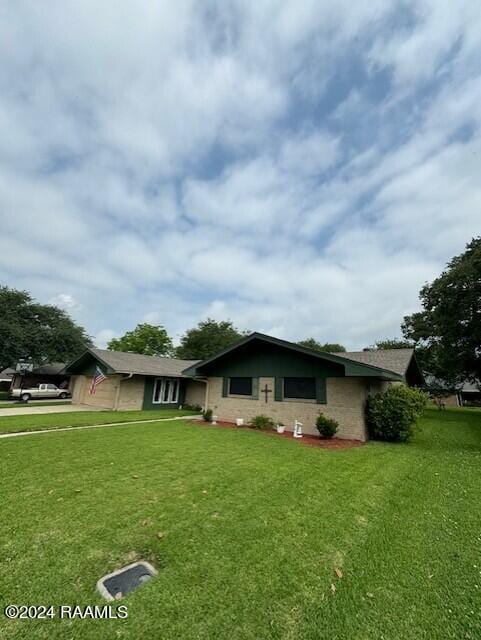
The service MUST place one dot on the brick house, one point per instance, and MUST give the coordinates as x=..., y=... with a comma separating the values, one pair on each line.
x=258, y=374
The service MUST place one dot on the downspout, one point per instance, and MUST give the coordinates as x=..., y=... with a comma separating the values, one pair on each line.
x=117, y=395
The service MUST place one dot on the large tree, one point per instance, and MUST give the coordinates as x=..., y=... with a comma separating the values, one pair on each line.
x=39, y=332
x=207, y=339
x=148, y=339
x=448, y=329
x=393, y=343
x=329, y=347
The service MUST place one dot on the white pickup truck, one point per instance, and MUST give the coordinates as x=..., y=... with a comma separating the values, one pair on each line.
x=39, y=391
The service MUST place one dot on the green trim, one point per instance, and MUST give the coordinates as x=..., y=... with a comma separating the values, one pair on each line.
x=255, y=388
x=85, y=360
x=148, y=403
x=321, y=393
x=351, y=368
x=225, y=387
x=278, y=389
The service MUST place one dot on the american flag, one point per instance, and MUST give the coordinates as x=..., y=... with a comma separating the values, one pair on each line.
x=97, y=378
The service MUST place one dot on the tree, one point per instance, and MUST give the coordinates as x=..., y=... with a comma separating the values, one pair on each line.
x=39, y=332
x=207, y=339
x=329, y=347
x=393, y=343
x=147, y=339
x=448, y=329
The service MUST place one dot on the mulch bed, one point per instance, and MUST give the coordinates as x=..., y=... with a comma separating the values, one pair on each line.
x=309, y=440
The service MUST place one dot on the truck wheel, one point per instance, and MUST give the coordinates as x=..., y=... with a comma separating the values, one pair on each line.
x=25, y=397
x=62, y=396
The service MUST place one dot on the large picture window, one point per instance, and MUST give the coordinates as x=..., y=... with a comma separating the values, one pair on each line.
x=166, y=391
x=240, y=386
x=302, y=388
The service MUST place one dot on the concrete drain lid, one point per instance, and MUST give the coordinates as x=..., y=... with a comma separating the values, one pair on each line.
x=119, y=583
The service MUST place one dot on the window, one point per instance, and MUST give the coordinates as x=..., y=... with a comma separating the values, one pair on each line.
x=240, y=386
x=303, y=388
x=166, y=391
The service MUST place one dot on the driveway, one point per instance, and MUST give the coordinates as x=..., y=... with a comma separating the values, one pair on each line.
x=63, y=408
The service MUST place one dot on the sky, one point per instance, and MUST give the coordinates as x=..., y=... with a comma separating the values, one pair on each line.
x=300, y=168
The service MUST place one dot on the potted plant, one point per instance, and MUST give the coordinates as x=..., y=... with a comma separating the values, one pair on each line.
x=239, y=422
x=281, y=427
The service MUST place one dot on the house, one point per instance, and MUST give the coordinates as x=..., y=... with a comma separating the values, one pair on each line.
x=6, y=377
x=52, y=372
x=134, y=381
x=258, y=374
x=466, y=394
x=288, y=382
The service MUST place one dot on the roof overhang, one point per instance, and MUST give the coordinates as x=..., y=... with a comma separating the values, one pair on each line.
x=351, y=368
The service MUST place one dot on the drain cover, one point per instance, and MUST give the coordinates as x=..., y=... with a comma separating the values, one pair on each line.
x=119, y=583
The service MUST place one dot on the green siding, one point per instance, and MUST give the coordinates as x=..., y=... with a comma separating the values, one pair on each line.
x=149, y=393
x=257, y=360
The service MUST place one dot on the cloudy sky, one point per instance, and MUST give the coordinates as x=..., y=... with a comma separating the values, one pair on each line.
x=301, y=168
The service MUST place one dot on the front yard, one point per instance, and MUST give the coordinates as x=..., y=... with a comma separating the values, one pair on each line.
x=36, y=422
x=253, y=536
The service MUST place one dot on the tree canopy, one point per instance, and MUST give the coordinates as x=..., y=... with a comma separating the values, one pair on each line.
x=393, y=343
x=207, y=339
x=447, y=332
x=39, y=332
x=147, y=339
x=329, y=347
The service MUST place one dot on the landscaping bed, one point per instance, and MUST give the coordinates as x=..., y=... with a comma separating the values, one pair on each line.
x=310, y=440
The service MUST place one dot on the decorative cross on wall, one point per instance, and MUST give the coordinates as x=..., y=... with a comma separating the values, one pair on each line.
x=266, y=392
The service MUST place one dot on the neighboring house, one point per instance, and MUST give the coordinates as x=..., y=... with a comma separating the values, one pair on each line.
x=258, y=374
x=47, y=373
x=288, y=382
x=6, y=377
x=462, y=395
x=134, y=381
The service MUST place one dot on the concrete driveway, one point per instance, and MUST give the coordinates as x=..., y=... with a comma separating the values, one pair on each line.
x=63, y=408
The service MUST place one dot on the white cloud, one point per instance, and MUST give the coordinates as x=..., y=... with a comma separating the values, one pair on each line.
x=168, y=162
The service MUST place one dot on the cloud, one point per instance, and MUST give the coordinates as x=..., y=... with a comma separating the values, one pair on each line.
x=300, y=169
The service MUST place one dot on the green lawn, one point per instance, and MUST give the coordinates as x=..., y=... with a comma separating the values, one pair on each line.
x=34, y=422
x=253, y=528
x=47, y=403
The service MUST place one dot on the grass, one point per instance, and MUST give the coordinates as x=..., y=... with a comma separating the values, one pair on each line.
x=34, y=422
x=252, y=529
x=15, y=405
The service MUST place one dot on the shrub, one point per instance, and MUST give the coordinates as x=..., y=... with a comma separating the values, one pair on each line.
x=392, y=415
x=262, y=422
x=207, y=415
x=196, y=408
x=327, y=427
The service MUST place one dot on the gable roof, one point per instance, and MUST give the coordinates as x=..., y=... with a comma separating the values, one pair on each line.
x=135, y=363
x=397, y=360
x=351, y=366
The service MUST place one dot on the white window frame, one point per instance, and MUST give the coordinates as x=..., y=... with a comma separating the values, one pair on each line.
x=171, y=398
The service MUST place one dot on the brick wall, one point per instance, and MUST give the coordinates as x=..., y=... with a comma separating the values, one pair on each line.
x=195, y=392
x=104, y=395
x=131, y=396
x=345, y=403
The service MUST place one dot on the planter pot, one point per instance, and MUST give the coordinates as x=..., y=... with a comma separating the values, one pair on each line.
x=239, y=422
x=280, y=428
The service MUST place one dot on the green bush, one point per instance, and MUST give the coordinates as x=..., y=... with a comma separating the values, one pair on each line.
x=392, y=415
x=327, y=427
x=262, y=422
x=195, y=408
x=207, y=415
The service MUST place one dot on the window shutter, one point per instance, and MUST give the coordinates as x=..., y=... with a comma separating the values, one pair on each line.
x=278, y=389
x=255, y=388
x=225, y=387
x=321, y=396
